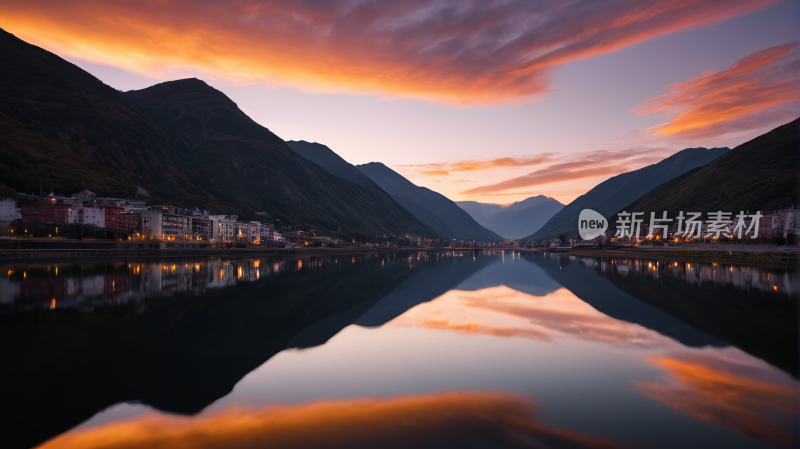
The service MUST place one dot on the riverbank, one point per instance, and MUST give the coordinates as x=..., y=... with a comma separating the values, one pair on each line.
x=772, y=256
x=16, y=254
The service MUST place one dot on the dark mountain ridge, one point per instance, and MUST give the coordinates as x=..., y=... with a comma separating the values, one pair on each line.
x=65, y=130
x=188, y=144
x=610, y=196
x=432, y=208
x=243, y=163
x=761, y=174
x=333, y=163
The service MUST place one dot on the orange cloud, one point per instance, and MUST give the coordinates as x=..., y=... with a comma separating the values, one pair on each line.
x=444, y=169
x=758, y=91
x=712, y=391
x=450, y=52
x=587, y=165
x=438, y=420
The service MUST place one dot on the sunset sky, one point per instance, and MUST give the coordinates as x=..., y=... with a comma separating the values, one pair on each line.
x=478, y=100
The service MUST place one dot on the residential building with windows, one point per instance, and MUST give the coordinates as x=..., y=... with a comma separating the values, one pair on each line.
x=88, y=215
x=42, y=212
x=152, y=223
x=8, y=210
x=112, y=220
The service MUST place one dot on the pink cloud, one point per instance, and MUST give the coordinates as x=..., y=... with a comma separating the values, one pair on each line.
x=758, y=91
x=585, y=165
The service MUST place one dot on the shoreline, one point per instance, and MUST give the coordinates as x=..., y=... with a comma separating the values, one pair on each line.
x=759, y=256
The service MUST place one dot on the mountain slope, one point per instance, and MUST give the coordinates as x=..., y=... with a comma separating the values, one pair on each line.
x=65, y=131
x=432, y=208
x=480, y=212
x=610, y=196
x=523, y=217
x=241, y=163
x=761, y=174
x=332, y=163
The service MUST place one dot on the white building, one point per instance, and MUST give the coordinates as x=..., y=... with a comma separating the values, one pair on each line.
x=786, y=221
x=250, y=232
x=220, y=232
x=8, y=210
x=88, y=215
x=153, y=223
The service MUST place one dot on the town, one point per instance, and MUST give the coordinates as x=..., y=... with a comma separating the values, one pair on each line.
x=88, y=216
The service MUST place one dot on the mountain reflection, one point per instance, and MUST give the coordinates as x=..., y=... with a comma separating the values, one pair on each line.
x=178, y=334
x=504, y=312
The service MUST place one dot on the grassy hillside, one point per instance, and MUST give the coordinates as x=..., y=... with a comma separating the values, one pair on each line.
x=761, y=174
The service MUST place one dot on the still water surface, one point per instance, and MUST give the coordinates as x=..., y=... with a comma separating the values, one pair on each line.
x=447, y=349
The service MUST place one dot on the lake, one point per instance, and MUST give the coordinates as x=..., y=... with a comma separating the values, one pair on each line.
x=408, y=349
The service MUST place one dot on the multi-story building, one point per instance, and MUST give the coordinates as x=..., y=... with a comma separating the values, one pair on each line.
x=152, y=223
x=267, y=231
x=202, y=227
x=42, y=212
x=113, y=217
x=91, y=215
x=130, y=221
x=218, y=234
x=8, y=210
x=784, y=222
x=176, y=227
x=250, y=232
x=227, y=231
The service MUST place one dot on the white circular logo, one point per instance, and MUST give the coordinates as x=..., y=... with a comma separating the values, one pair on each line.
x=591, y=224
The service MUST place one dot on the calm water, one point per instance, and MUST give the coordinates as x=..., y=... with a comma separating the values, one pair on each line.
x=473, y=349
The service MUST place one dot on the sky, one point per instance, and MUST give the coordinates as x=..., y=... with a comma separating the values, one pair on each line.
x=490, y=101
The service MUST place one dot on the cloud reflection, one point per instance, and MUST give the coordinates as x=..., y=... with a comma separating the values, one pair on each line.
x=439, y=420
x=504, y=312
x=716, y=390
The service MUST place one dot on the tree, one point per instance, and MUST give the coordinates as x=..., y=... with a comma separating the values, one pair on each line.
x=563, y=239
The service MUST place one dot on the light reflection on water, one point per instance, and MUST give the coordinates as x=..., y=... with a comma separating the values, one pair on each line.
x=437, y=350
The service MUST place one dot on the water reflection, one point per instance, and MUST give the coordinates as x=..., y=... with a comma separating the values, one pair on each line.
x=486, y=420
x=519, y=336
x=726, y=392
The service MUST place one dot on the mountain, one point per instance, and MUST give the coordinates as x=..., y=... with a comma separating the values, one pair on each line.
x=761, y=174
x=187, y=143
x=612, y=195
x=333, y=163
x=480, y=212
x=431, y=208
x=243, y=163
x=523, y=217
x=65, y=131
